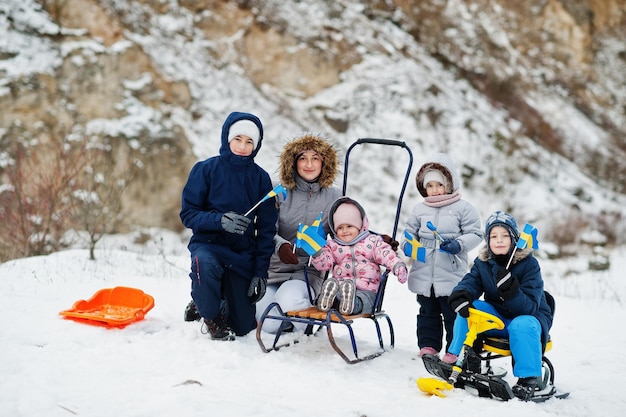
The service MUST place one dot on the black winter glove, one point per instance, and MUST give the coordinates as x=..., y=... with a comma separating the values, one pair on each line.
x=451, y=246
x=461, y=301
x=257, y=288
x=286, y=255
x=393, y=243
x=235, y=223
x=507, y=284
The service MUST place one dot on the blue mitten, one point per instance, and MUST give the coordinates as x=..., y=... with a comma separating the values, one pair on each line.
x=451, y=246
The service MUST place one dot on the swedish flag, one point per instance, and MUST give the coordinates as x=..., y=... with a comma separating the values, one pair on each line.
x=413, y=248
x=528, y=238
x=317, y=226
x=309, y=239
x=279, y=189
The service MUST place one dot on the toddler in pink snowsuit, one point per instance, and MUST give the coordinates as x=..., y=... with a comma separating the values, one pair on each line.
x=354, y=254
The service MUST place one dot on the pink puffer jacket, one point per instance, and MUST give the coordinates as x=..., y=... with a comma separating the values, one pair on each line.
x=360, y=261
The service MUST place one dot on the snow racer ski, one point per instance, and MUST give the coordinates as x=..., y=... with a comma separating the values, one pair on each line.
x=473, y=370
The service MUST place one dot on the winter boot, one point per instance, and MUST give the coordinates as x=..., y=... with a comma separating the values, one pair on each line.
x=427, y=350
x=449, y=358
x=328, y=294
x=218, y=329
x=524, y=389
x=191, y=314
x=347, y=289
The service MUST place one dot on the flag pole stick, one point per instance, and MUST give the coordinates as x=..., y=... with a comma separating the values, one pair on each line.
x=513, y=254
x=438, y=236
x=253, y=207
x=511, y=258
x=273, y=192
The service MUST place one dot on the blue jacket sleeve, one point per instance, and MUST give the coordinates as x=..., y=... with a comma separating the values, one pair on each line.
x=196, y=213
x=528, y=299
x=472, y=281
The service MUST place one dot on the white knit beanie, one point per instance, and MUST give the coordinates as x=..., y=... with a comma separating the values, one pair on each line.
x=244, y=127
x=434, y=175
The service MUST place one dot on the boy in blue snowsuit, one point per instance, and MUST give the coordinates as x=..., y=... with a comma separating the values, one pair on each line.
x=230, y=252
x=514, y=294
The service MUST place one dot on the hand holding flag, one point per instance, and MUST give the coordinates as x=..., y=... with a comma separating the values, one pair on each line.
x=413, y=248
x=309, y=239
x=279, y=189
x=441, y=239
x=434, y=230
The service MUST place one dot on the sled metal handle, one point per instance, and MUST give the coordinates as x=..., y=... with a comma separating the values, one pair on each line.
x=379, y=141
x=388, y=142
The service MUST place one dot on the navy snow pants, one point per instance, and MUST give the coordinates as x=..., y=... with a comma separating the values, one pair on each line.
x=213, y=285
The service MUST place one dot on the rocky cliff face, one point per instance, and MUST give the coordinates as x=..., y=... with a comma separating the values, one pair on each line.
x=97, y=69
x=548, y=45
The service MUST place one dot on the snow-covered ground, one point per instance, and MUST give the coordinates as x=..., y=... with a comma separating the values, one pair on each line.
x=163, y=366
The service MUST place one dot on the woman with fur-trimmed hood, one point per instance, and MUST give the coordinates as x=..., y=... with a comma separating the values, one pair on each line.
x=308, y=167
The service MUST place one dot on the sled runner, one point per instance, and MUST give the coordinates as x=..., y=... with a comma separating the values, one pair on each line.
x=111, y=307
x=317, y=320
x=473, y=370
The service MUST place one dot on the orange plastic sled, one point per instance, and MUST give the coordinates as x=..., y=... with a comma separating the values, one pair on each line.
x=111, y=307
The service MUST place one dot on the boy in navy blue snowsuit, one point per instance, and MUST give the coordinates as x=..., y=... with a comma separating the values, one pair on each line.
x=512, y=287
x=230, y=252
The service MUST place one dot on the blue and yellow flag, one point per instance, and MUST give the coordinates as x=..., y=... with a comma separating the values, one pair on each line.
x=434, y=230
x=528, y=238
x=317, y=226
x=413, y=248
x=309, y=239
x=279, y=189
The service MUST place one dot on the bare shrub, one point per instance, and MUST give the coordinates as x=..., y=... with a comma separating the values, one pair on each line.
x=36, y=209
x=53, y=184
x=97, y=195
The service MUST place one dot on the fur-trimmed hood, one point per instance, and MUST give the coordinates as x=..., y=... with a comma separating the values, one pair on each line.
x=307, y=142
x=442, y=163
x=484, y=254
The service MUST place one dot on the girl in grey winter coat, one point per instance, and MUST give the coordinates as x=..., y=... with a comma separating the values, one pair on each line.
x=308, y=167
x=458, y=231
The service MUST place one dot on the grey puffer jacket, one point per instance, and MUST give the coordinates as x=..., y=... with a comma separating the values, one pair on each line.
x=304, y=202
x=458, y=220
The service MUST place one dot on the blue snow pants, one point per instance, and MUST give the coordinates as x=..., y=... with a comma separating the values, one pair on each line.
x=523, y=332
x=218, y=289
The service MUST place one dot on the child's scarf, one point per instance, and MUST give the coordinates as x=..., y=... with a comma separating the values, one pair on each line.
x=442, y=200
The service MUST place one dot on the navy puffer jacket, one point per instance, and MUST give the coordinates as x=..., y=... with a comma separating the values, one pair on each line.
x=229, y=182
x=529, y=300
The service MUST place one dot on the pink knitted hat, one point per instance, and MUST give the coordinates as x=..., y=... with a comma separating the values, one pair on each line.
x=347, y=213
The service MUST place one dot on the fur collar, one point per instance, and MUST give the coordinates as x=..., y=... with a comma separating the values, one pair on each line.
x=484, y=254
